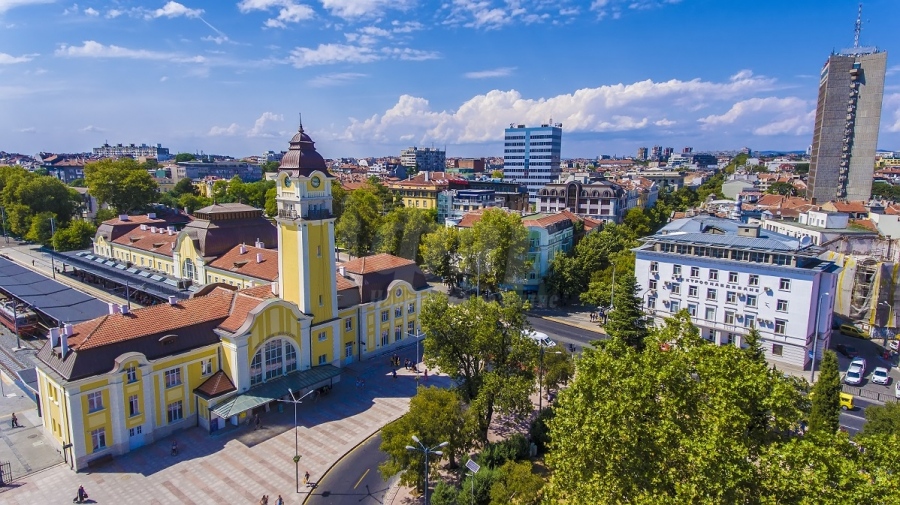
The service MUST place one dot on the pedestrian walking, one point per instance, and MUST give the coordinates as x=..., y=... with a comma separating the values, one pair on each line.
x=257, y=422
x=174, y=448
x=394, y=372
x=14, y=421
x=306, y=478
x=426, y=374
x=279, y=501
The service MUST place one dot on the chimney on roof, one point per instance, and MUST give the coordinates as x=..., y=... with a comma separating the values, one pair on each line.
x=259, y=257
x=259, y=244
x=125, y=309
x=68, y=329
x=170, y=231
x=54, y=337
x=275, y=288
x=152, y=229
x=143, y=227
x=151, y=215
x=113, y=308
x=342, y=270
x=64, y=340
x=173, y=300
x=243, y=249
x=123, y=217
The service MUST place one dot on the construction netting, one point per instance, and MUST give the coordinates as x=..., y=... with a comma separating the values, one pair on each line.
x=866, y=290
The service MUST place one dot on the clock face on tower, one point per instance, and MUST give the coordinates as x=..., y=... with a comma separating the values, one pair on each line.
x=316, y=181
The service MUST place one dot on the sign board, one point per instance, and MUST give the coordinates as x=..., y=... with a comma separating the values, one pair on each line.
x=472, y=466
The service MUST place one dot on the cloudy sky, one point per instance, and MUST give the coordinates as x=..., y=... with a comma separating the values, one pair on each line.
x=373, y=76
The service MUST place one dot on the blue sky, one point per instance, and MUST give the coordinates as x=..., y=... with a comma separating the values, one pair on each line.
x=373, y=76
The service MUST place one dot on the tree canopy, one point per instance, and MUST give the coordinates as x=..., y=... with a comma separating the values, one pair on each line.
x=826, y=401
x=483, y=345
x=30, y=200
x=401, y=231
x=122, y=184
x=184, y=157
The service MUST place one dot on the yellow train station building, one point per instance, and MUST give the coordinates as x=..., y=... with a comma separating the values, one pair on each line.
x=112, y=384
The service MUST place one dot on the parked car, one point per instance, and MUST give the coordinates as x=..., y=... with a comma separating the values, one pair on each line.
x=853, y=331
x=846, y=401
x=861, y=362
x=880, y=376
x=854, y=375
x=894, y=345
x=847, y=350
x=897, y=389
x=540, y=339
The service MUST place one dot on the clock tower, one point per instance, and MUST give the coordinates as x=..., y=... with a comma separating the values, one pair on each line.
x=306, y=263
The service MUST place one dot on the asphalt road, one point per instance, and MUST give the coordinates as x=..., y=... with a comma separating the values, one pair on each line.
x=856, y=418
x=564, y=333
x=354, y=479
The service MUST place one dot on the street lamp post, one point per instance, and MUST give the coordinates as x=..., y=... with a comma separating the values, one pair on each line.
x=426, y=451
x=296, y=401
x=812, y=368
x=541, y=377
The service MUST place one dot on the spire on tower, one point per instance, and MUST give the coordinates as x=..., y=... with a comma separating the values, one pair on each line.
x=300, y=114
x=858, y=28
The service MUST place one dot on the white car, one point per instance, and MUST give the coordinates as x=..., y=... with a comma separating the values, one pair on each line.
x=859, y=361
x=880, y=376
x=897, y=389
x=854, y=375
x=540, y=339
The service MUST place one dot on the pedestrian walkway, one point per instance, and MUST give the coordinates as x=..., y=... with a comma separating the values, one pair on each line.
x=241, y=465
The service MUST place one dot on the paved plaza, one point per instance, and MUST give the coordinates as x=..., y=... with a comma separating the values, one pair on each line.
x=240, y=464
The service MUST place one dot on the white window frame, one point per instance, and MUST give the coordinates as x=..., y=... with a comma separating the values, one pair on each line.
x=98, y=439
x=131, y=374
x=692, y=309
x=712, y=294
x=175, y=411
x=384, y=316
x=713, y=274
x=134, y=406
x=754, y=280
x=706, y=313
x=348, y=324
x=654, y=266
x=752, y=301
x=695, y=272
x=733, y=277
x=784, y=284
x=95, y=401
x=731, y=297
x=173, y=377
x=694, y=291
x=783, y=324
x=676, y=270
x=781, y=306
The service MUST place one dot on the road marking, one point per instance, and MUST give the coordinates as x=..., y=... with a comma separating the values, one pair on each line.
x=361, y=478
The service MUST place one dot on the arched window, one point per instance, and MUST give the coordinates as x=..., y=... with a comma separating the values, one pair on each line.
x=188, y=271
x=276, y=358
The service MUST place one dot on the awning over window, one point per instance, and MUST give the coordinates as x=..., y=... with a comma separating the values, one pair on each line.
x=274, y=389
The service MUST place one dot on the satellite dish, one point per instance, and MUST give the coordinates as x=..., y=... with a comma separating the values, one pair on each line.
x=805, y=241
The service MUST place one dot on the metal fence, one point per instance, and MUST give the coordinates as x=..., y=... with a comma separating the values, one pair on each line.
x=5, y=473
x=869, y=394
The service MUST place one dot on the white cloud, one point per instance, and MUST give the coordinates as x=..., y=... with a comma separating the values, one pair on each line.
x=224, y=131
x=114, y=13
x=71, y=10
x=8, y=59
x=6, y=5
x=327, y=54
x=494, y=14
x=486, y=74
x=164, y=78
x=92, y=129
x=406, y=26
x=90, y=11
x=289, y=11
x=615, y=8
x=326, y=80
x=609, y=108
x=30, y=129
x=349, y=9
x=174, y=10
x=406, y=53
x=93, y=49
x=260, y=126
x=219, y=39
x=781, y=115
x=891, y=101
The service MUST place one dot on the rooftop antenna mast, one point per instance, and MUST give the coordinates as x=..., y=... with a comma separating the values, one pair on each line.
x=858, y=28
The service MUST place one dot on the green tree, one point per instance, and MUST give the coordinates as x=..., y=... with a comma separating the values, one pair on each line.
x=626, y=320
x=77, y=183
x=672, y=423
x=558, y=368
x=271, y=205
x=882, y=420
x=801, y=168
x=781, y=188
x=637, y=222
x=563, y=278
x=826, y=400
x=270, y=166
x=192, y=203
x=444, y=494
x=436, y=415
x=24, y=195
x=516, y=483
x=150, y=165
x=121, y=183
x=493, y=253
x=338, y=197
x=440, y=252
x=184, y=157
x=359, y=223
x=753, y=348
x=41, y=228
x=497, y=174
x=402, y=230
x=185, y=186
x=78, y=235
x=482, y=344
x=104, y=215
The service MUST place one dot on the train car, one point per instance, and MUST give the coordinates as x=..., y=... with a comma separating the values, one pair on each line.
x=25, y=320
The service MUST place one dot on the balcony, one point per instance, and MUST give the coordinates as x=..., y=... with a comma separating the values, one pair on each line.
x=310, y=214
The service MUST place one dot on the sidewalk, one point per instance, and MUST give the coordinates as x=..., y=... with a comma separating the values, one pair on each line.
x=242, y=464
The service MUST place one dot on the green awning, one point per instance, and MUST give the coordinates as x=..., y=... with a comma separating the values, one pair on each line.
x=274, y=389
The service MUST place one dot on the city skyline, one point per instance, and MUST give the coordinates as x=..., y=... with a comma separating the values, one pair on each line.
x=372, y=77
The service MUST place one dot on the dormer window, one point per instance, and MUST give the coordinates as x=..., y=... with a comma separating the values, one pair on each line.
x=168, y=339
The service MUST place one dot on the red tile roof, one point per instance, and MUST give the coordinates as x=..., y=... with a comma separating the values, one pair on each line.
x=217, y=385
x=146, y=240
x=864, y=223
x=245, y=300
x=376, y=263
x=849, y=206
x=245, y=264
x=151, y=320
x=544, y=220
x=469, y=219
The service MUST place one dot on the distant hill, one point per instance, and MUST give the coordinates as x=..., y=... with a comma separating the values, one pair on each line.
x=778, y=153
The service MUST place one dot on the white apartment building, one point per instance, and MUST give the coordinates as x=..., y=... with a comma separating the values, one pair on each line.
x=427, y=159
x=531, y=156
x=731, y=276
